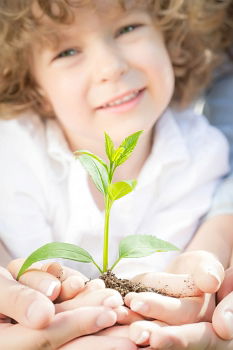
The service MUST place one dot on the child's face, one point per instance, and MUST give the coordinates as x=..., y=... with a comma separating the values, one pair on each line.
x=110, y=73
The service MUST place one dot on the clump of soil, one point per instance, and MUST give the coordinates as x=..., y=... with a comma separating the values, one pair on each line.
x=124, y=286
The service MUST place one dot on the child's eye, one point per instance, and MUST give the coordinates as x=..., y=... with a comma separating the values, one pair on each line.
x=128, y=29
x=67, y=53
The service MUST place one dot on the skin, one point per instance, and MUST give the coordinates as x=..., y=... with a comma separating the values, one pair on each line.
x=217, y=335
x=40, y=328
x=99, y=58
x=195, y=335
x=202, y=335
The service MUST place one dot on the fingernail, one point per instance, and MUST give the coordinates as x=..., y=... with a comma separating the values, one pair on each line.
x=213, y=274
x=139, y=306
x=228, y=315
x=38, y=312
x=144, y=336
x=48, y=287
x=106, y=319
x=114, y=301
x=76, y=282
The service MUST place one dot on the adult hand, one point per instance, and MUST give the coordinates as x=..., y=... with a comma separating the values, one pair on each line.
x=223, y=314
x=32, y=309
x=70, y=290
x=194, y=336
x=65, y=327
x=25, y=305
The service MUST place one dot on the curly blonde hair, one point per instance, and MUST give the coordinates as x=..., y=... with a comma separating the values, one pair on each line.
x=193, y=30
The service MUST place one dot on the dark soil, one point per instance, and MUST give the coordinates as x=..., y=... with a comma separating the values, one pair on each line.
x=124, y=286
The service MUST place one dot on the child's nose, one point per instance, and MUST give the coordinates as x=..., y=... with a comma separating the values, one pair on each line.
x=110, y=64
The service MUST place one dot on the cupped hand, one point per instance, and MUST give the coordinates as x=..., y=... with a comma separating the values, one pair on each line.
x=206, y=270
x=194, y=336
x=69, y=297
x=223, y=314
x=190, y=279
x=65, y=327
x=22, y=304
x=52, y=279
x=203, y=335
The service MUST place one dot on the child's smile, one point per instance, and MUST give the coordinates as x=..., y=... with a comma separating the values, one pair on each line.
x=123, y=102
x=108, y=74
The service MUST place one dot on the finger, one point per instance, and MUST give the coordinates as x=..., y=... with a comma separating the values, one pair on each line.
x=62, y=272
x=140, y=332
x=167, y=309
x=72, y=281
x=105, y=296
x=71, y=287
x=64, y=328
x=100, y=343
x=5, y=273
x=223, y=318
x=227, y=285
x=188, y=337
x=176, y=285
x=207, y=271
x=116, y=331
x=36, y=279
x=93, y=285
x=15, y=265
x=125, y=316
x=84, y=289
x=27, y=306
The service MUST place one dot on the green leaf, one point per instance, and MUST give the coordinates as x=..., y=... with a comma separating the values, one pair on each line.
x=81, y=152
x=96, y=170
x=128, y=144
x=120, y=189
x=109, y=146
x=136, y=246
x=56, y=250
x=118, y=152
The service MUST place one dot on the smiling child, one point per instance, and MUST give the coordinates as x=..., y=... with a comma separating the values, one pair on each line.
x=71, y=70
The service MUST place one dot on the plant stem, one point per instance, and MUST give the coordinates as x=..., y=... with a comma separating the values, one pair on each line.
x=101, y=271
x=115, y=263
x=108, y=205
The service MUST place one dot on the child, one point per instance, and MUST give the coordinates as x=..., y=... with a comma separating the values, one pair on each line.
x=82, y=81
x=71, y=72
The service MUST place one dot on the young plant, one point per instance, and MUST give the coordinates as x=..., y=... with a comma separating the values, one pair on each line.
x=133, y=246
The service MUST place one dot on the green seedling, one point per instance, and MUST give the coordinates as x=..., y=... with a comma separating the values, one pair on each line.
x=133, y=246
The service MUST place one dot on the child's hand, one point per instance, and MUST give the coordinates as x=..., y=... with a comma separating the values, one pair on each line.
x=205, y=268
x=204, y=275
x=40, y=328
x=52, y=279
x=194, y=336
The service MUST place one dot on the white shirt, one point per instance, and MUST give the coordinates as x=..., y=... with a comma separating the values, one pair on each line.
x=45, y=194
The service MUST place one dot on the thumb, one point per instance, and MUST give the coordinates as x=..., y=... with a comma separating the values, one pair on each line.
x=25, y=305
x=205, y=268
x=223, y=318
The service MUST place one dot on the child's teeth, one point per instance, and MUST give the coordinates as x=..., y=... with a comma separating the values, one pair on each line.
x=122, y=100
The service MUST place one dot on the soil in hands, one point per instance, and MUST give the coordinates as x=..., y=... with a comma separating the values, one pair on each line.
x=124, y=286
